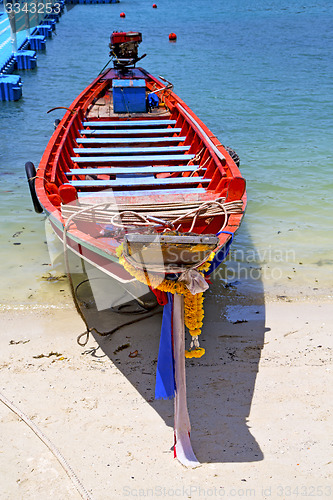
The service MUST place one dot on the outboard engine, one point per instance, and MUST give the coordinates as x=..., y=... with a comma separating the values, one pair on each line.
x=124, y=48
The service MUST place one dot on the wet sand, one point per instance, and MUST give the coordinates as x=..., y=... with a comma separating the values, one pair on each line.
x=260, y=404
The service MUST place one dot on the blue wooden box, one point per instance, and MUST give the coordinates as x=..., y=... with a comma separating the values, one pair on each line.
x=37, y=42
x=129, y=96
x=26, y=59
x=10, y=88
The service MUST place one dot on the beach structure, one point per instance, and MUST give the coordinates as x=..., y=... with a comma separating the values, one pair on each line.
x=23, y=31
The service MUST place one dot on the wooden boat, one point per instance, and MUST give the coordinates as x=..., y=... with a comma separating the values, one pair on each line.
x=135, y=184
x=130, y=143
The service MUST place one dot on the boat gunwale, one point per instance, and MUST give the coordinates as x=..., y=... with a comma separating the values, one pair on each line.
x=78, y=109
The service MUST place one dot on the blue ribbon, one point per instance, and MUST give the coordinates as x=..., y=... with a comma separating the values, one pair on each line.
x=221, y=254
x=165, y=386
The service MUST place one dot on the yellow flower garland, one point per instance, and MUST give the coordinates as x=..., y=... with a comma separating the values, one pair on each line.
x=193, y=304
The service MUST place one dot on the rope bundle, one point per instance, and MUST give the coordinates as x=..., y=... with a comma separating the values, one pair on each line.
x=123, y=215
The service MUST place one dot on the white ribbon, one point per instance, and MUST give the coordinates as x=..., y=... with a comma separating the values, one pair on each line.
x=194, y=281
x=182, y=426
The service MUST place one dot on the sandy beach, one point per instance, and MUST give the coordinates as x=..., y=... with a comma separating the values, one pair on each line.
x=260, y=404
x=258, y=75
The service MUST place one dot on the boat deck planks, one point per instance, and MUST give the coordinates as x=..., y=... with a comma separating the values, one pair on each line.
x=131, y=182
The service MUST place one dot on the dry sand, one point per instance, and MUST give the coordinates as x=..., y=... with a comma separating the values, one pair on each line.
x=260, y=403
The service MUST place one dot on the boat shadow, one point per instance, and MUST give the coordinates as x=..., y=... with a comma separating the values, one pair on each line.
x=220, y=385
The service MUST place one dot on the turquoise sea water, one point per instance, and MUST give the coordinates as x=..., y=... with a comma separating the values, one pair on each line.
x=259, y=74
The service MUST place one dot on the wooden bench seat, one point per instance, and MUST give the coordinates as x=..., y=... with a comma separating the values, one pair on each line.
x=129, y=123
x=131, y=159
x=131, y=132
x=131, y=150
x=139, y=181
x=132, y=170
x=168, y=193
x=127, y=140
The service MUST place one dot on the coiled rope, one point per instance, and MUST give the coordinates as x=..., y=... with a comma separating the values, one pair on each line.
x=204, y=208
x=147, y=214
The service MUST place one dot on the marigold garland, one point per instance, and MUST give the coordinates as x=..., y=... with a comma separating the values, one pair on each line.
x=197, y=352
x=193, y=304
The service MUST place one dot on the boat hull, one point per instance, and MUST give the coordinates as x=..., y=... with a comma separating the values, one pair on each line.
x=163, y=164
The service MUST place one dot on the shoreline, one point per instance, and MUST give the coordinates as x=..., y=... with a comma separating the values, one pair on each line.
x=59, y=296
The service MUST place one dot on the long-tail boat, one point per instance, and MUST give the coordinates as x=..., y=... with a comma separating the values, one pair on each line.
x=137, y=185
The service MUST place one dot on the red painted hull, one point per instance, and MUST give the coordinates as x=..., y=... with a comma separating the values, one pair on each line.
x=188, y=164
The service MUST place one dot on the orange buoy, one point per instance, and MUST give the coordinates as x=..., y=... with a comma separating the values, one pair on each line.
x=154, y=6
x=122, y=14
x=173, y=37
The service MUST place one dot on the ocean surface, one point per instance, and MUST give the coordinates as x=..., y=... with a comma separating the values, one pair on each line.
x=259, y=74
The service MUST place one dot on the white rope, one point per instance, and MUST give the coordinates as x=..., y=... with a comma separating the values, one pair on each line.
x=88, y=208
x=64, y=464
x=196, y=158
x=200, y=167
x=142, y=218
x=196, y=212
x=168, y=213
